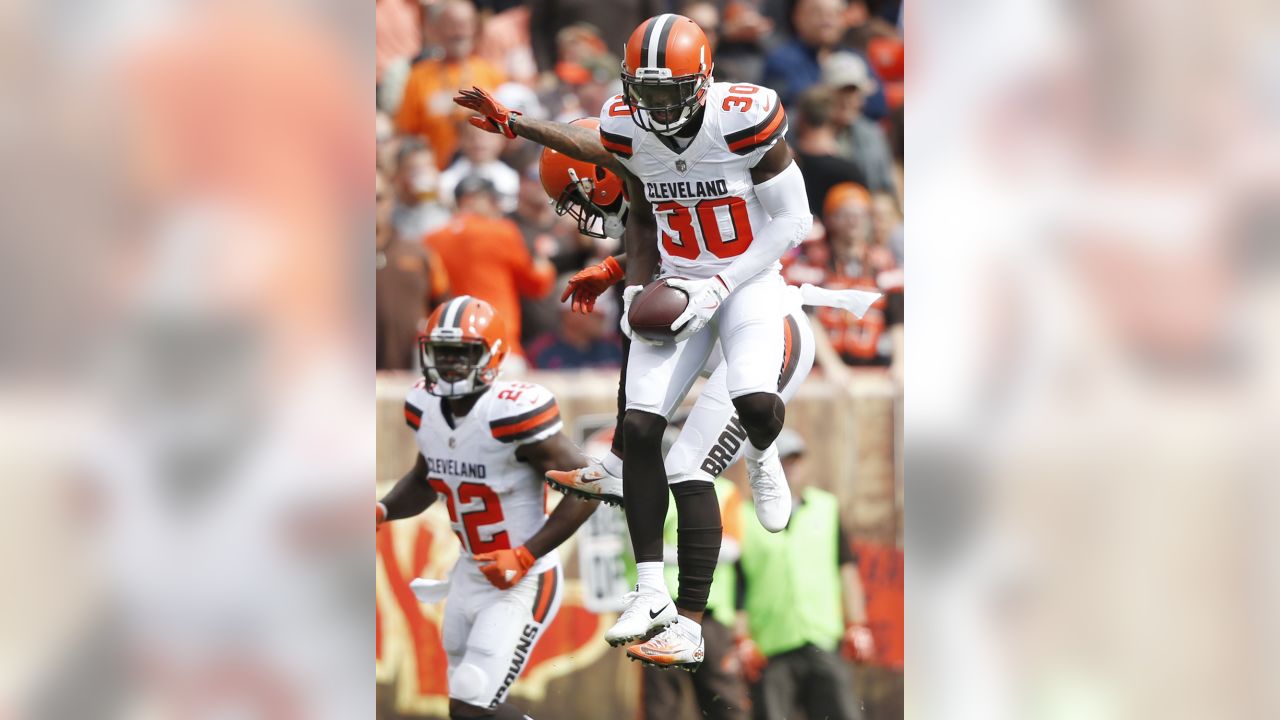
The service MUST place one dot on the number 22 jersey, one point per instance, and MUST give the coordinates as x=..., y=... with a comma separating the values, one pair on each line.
x=703, y=197
x=495, y=501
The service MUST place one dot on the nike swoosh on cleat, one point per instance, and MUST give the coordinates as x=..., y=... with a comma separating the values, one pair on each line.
x=653, y=614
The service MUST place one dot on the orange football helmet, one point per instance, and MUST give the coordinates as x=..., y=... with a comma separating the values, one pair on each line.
x=666, y=73
x=590, y=194
x=462, y=348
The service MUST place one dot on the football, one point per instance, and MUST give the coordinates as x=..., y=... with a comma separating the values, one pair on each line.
x=655, y=308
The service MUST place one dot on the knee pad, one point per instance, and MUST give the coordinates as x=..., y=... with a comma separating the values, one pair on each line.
x=643, y=428
x=468, y=683
x=761, y=414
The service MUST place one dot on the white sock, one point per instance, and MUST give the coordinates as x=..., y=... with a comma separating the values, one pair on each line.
x=612, y=464
x=755, y=454
x=649, y=576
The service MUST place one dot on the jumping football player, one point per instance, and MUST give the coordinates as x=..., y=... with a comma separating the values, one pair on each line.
x=484, y=446
x=714, y=438
x=714, y=195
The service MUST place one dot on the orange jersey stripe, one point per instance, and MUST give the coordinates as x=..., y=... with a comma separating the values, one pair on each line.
x=763, y=134
x=544, y=598
x=545, y=417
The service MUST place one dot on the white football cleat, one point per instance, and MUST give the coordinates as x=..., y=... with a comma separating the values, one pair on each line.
x=679, y=646
x=646, y=611
x=769, y=489
x=592, y=482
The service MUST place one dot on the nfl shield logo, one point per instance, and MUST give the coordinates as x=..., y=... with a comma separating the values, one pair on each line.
x=681, y=166
x=452, y=442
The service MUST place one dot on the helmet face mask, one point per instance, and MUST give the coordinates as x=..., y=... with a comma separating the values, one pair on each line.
x=664, y=106
x=593, y=220
x=586, y=192
x=453, y=368
x=666, y=73
x=462, y=351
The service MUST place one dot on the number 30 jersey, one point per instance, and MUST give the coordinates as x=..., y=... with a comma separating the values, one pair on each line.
x=495, y=501
x=703, y=197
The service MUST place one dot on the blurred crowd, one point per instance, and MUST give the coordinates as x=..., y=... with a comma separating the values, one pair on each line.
x=462, y=211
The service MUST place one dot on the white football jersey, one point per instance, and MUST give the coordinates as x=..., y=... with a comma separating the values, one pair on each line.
x=495, y=501
x=703, y=197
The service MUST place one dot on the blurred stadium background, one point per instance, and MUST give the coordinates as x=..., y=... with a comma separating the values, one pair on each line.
x=839, y=68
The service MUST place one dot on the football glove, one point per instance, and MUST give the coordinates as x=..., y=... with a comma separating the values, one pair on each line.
x=750, y=659
x=705, y=297
x=589, y=283
x=859, y=645
x=494, y=116
x=504, y=568
x=628, y=295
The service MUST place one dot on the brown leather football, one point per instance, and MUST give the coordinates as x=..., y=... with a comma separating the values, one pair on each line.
x=655, y=308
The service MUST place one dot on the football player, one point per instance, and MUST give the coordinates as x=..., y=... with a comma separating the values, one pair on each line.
x=712, y=438
x=716, y=200
x=483, y=447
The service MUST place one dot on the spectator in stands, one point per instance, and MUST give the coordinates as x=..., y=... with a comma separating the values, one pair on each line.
x=856, y=262
x=802, y=598
x=817, y=150
x=742, y=37
x=505, y=43
x=555, y=237
x=479, y=158
x=614, y=19
x=886, y=224
x=795, y=66
x=860, y=140
x=580, y=340
x=427, y=108
x=408, y=287
x=398, y=39
x=420, y=206
x=388, y=143
x=486, y=257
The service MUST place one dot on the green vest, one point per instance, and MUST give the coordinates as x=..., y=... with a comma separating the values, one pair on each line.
x=720, y=598
x=793, y=577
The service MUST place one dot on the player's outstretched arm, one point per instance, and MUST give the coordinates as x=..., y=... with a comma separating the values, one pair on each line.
x=557, y=453
x=576, y=142
x=411, y=495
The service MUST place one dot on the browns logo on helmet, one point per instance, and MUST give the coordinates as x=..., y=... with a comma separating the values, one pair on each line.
x=462, y=348
x=586, y=192
x=666, y=72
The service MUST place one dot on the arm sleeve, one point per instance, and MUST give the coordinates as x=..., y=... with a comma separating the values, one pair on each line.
x=783, y=197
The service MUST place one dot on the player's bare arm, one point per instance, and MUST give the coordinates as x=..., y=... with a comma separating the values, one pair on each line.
x=557, y=453
x=576, y=142
x=410, y=496
x=640, y=242
x=773, y=163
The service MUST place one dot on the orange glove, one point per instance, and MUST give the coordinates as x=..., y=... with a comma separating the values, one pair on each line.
x=590, y=283
x=380, y=515
x=750, y=658
x=496, y=117
x=504, y=568
x=859, y=645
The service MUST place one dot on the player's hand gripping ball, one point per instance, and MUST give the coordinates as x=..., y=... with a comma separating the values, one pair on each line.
x=504, y=568
x=655, y=308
